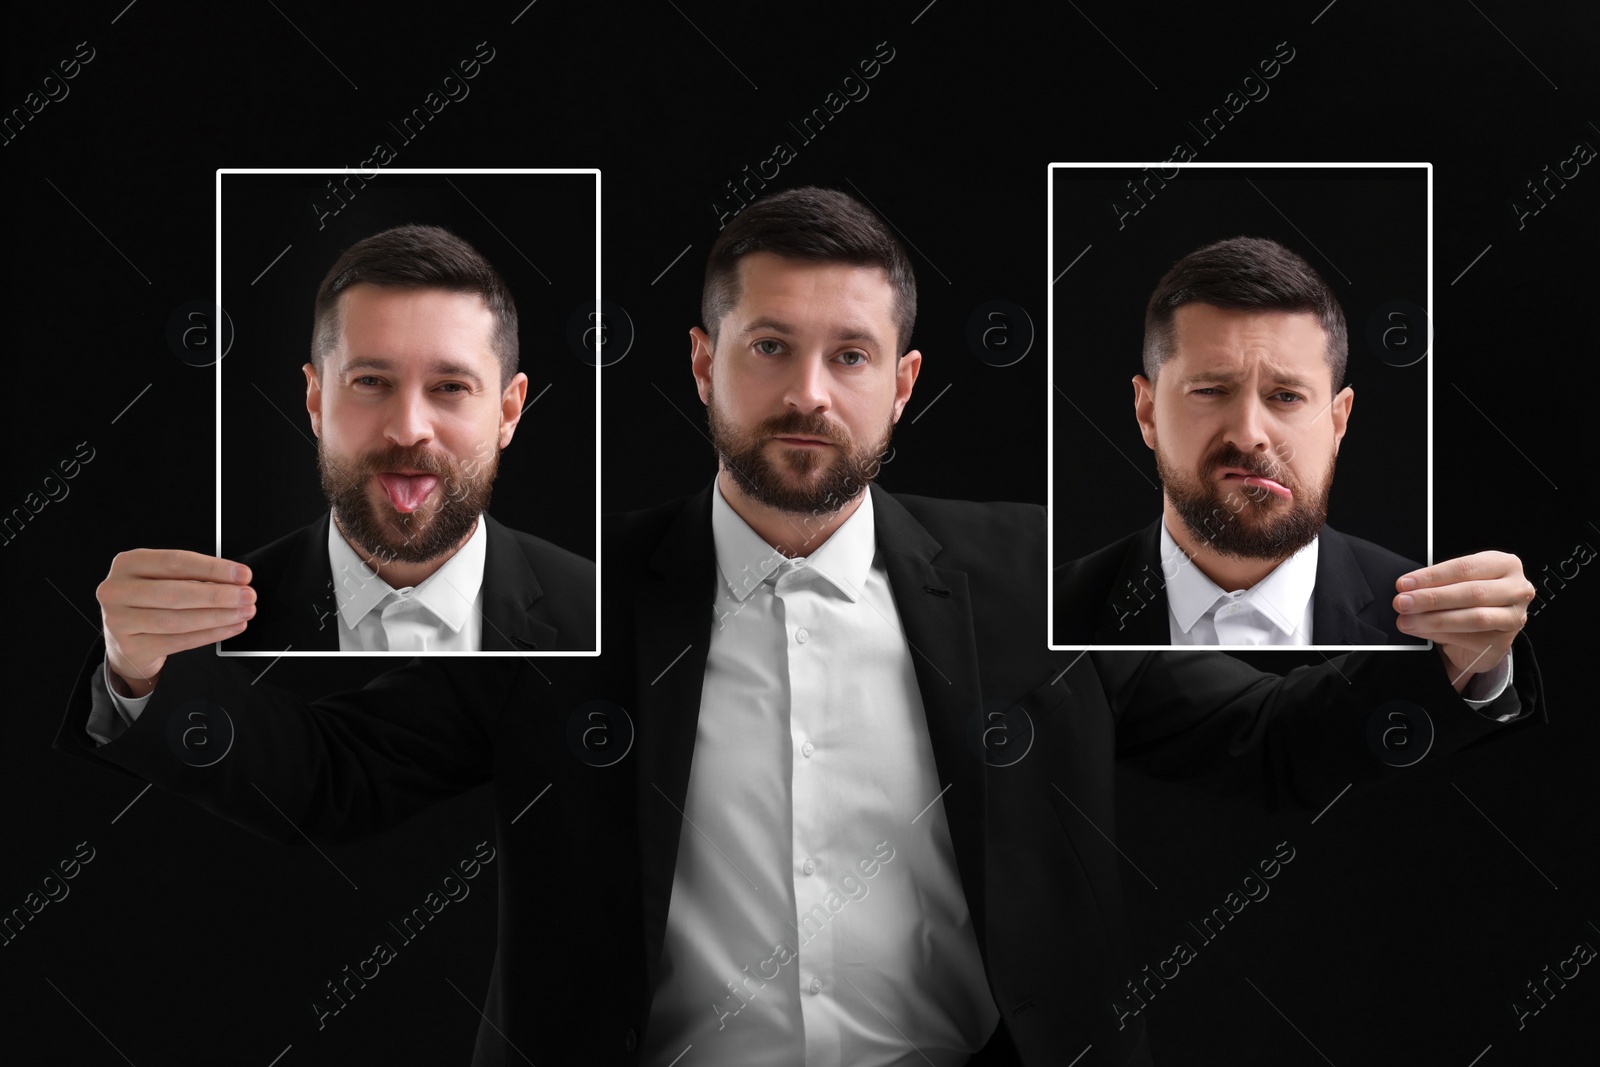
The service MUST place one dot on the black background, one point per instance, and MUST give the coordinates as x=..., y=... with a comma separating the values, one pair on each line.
x=1407, y=922
x=270, y=485
x=1364, y=231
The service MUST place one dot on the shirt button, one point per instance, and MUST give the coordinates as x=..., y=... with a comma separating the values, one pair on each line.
x=806, y=749
x=815, y=986
x=808, y=867
x=801, y=635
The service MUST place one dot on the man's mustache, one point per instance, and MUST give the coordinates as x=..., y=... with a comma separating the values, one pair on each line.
x=797, y=423
x=401, y=458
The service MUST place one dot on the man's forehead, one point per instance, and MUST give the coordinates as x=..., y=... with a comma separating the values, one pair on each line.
x=847, y=301
x=1226, y=343
x=401, y=314
x=766, y=276
x=427, y=331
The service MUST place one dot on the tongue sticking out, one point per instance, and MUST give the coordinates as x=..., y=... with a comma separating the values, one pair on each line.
x=408, y=491
x=1269, y=485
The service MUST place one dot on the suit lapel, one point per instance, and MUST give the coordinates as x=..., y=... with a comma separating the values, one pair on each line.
x=1135, y=612
x=510, y=589
x=672, y=628
x=1341, y=594
x=936, y=612
x=306, y=616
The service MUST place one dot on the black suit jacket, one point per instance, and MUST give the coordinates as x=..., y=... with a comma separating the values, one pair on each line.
x=587, y=846
x=536, y=595
x=1117, y=596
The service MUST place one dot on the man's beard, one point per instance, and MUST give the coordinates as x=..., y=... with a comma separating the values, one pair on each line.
x=1241, y=521
x=805, y=481
x=389, y=536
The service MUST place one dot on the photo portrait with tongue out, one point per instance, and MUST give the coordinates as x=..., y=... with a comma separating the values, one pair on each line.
x=412, y=392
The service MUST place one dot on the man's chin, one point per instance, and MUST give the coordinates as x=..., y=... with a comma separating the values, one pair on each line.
x=1273, y=534
x=814, y=492
x=388, y=536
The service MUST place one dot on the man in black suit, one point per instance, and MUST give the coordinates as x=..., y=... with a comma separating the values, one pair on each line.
x=413, y=391
x=826, y=797
x=1244, y=354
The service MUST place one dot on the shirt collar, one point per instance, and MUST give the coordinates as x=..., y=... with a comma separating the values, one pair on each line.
x=1281, y=597
x=449, y=592
x=745, y=560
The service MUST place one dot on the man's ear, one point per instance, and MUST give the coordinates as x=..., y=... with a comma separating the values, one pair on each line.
x=313, y=398
x=1144, y=408
x=700, y=351
x=511, y=403
x=1339, y=411
x=905, y=376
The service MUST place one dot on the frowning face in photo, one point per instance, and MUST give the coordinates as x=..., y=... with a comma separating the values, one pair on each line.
x=1246, y=427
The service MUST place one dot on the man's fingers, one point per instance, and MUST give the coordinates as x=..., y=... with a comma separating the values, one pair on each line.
x=1493, y=592
x=1463, y=621
x=1476, y=567
x=1471, y=608
x=200, y=638
x=145, y=593
x=178, y=564
x=131, y=623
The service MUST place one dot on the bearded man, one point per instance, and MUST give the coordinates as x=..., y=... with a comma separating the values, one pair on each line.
x=825, y=796
x=412, y=391
x=1243, y=402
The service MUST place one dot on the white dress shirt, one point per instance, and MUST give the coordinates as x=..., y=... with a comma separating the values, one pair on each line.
x=816, y=916
x=442, y=613
x=1274, y=611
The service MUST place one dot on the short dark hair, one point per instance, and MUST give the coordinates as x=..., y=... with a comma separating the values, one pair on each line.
x=415, y=257
x=1243, y=274
x=822, y=225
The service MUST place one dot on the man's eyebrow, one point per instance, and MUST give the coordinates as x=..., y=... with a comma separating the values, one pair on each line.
x=1231, y=377
x=442, y=367
x=846, y=333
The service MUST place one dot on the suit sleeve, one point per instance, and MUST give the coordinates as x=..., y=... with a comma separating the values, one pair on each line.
x=336, y=769
x=1297, y=740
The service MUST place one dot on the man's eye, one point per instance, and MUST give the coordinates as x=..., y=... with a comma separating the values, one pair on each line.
x=367, y=380
x=852, y=358
x=453, y=387
x=1208, y=390
x=769, y=347
x=1288, y=397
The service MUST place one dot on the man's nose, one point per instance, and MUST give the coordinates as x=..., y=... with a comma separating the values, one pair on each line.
x=410, y=418
x=808, y=384
x=1248, y=424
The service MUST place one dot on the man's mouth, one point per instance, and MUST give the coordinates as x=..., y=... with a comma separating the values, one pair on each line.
x=802, y=441
x=1244, y=477
x=407, y=489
